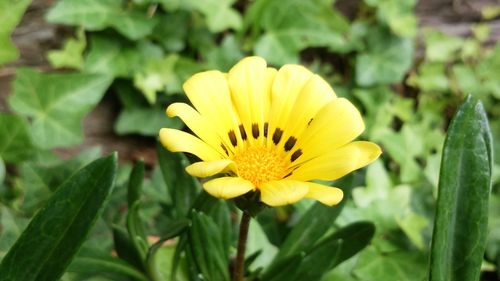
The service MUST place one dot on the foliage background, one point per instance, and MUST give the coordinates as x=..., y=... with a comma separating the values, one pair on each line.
x=134, y=55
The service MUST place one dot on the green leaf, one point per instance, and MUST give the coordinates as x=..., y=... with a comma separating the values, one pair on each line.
x=207, y=248
x=99, y=14
x=292, y=26
x=56, y=103
x=227, y=54
x=172, y=30
x=156, y=76
x=38, y=180
x=183, y=188
x=135, y=183
x=15, y=141
x=98, y=263
x=10, y=13
x=430, y=77
x=311, y=227
x=219, y=14
x=11, y=227
x=460, y=226
x=125, y=249
x=2, y=171
x=55, y=234
x=440, y=47
x=397, y=14
x=162, y=262
x=135, y=227
x=397, y=265
x=151, y=120
x=114, y=56
x=386, y=59
x=71, y=54
x=333, y=250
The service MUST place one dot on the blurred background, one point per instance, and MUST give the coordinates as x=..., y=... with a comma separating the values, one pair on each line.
x=107, y=69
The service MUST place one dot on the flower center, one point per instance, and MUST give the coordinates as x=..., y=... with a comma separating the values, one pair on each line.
x=260, y=164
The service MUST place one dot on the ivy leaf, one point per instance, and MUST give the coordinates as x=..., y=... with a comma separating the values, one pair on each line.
x=99, y=14
x=219, y=14
x=295, y=25
x=15, y=141
x=71, y=54
x=56, y=103
x=151, y=120
x=156, y=76
x=226, y=54
x=399, y=265
x=440, y=47
x=117, y=57
x=386, y=59
x=10, y=13
x=11, y=228
x=397, y=14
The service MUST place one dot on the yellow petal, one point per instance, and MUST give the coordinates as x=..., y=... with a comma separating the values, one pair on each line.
x=227, y=187
x=283, y=192
x=335, y=125
x=179, y=141
x=210, y=95
x=288, y=83
x=325, y=194
x=315, y=94
x=247, y=81
x=210, y=168
x=338, y=162
x=199, y=125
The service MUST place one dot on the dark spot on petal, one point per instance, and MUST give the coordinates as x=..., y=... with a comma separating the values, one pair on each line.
x=309, y=123
x=266, y=128
x=296, y=155
x=225, y=149
x=290, y=143
x=242, y=132
x=289, y=174
x=255, y=131
x=277, y=135
x=232, y=138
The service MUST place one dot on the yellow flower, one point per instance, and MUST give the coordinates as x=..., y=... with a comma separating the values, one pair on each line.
x=269, y=130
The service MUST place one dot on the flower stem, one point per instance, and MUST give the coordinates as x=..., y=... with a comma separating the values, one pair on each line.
x=242, y=241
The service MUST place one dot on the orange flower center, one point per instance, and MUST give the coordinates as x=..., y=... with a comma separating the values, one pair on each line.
x=260, y=164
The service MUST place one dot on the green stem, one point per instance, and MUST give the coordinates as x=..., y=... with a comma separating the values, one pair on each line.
x=239, y=267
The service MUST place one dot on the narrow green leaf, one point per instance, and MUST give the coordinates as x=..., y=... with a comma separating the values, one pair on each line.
x=183, y=188
x=135, y=183
x=124, y=247
x=460, y=227
x=207, y=248
x=2, y=171
x=312, y=225
x=136, y=230
x=328, y=253
x=98, y=264
x=55, y=234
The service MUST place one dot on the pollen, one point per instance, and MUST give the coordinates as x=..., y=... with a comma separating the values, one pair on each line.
x=260, y=164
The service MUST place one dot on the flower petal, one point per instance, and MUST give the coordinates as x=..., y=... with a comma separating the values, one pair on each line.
x=228, y=187
x=176, y=140
x=315, y=94
x=335, y=125
x=209, y=168
x=199, y=125
x=249, y=92
x=338, y=162
x=283, y=192
x=325, y=194
x=287, y=84
x=210, y=95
